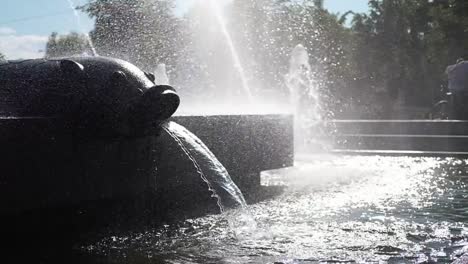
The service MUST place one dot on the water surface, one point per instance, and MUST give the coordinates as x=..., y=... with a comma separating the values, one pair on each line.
x=335, y=209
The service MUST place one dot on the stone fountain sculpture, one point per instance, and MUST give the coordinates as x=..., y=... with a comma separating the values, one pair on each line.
x=93, y=95
x=78, y=130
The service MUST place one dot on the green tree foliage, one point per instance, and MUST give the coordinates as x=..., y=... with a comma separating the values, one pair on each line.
x=449, y=21
x=389, y=52
x=402, y=47
x=143, y=32
x=2, y=57
x=67, y=45
x=446, y=37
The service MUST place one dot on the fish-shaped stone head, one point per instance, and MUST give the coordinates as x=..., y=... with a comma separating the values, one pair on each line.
x=95, y=95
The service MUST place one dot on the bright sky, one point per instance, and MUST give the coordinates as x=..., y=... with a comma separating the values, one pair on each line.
x=26, y=24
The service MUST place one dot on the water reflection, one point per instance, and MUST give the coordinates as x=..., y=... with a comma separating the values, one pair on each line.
x=351, y=209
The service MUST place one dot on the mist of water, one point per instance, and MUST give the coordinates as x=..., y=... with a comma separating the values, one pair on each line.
x=216, y=9
x=160, y=75
x=80, y=26
x=305, y=100
x=298, y=79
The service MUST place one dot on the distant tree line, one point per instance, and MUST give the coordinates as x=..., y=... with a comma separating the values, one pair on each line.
x=401, y=48
x=363, y=63
x=67, y=45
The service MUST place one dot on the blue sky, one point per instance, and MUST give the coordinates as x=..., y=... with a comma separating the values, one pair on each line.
x=26, y=24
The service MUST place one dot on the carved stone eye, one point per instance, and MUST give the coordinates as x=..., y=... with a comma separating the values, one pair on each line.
x=150, y=76
x=119, y=77
x=71, y=68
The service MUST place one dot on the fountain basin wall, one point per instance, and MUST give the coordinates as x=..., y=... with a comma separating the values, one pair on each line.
x=43, y=166
x=244, y=144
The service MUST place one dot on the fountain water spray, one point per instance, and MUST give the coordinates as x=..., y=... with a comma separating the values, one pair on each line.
x=160, y=74
x=235, y=55
x=299, y=80
x=78, y=21
x=304, y=98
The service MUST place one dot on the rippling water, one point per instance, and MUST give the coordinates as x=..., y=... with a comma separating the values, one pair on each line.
x=335, y=209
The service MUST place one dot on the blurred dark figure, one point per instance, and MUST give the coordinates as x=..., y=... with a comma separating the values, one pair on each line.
x=458, y=88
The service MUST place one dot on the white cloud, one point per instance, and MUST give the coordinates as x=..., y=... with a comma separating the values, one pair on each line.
x=7, y=31
x=15, y=46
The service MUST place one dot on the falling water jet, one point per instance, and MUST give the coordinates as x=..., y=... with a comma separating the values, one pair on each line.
x=210, y=169
x=235, y=55
x=217, y=178
x=78, y=21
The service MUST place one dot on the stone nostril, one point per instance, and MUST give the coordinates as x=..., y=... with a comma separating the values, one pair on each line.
x=169, y=102
x=161, y=101
x=150, y=76
x=156, y=104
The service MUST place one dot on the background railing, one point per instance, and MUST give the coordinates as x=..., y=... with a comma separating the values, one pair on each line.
x=401, y=137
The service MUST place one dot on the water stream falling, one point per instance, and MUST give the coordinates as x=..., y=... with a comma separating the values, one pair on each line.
x=207, y=165
x=212, y=172
x=78, y=21
x=217, y=178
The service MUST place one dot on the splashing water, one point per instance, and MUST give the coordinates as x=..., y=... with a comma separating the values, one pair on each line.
x=337, y=209
x=301, y=84
x=235, y=55
x=215, y=175
x=160, y=74
x=305, y=101
x=78, y=21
